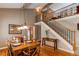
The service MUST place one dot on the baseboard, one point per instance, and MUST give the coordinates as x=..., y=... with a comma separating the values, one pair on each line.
x=3, y=48
x=71, y=52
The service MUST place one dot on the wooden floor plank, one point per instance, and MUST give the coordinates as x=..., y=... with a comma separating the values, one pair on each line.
x=44, y=51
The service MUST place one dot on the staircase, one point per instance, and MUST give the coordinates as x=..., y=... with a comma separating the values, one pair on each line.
x=69, y=35
x=64, y=32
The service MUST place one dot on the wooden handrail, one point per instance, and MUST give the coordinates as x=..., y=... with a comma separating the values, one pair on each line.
x=74, y=46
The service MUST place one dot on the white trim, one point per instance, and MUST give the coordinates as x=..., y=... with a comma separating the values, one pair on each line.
x=66, y=50
x=69, y=17
x=38, y=23
x=3, y=48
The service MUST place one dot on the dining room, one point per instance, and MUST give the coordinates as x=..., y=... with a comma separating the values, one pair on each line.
x=20, y=35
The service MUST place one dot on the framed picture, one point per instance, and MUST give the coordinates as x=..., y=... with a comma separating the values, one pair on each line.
x=13, y=29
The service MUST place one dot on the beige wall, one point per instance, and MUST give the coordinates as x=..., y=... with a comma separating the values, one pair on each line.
x=13, y=16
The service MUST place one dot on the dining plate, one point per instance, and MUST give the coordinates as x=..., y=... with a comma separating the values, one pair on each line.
x=16, y=44
x=29, y=41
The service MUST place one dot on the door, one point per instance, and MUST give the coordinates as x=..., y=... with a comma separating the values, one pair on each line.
x=38, y=32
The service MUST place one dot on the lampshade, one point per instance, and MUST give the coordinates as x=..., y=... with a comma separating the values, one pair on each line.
x=23, y=27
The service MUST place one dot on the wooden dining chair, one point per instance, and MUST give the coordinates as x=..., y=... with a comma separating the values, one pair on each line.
x=10, y=50
x=25, y=52
x=32, y=50
x=37, y=50
x=28, y=51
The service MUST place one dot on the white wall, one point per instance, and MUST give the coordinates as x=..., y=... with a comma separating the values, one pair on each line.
x=13, y=16
x=62, y=44
x=71, y=23
x=43, y=33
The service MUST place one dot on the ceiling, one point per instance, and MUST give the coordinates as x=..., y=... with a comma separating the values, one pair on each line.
x=20, y=5
x=35, y=5
x=56, y=6
x=11, y=5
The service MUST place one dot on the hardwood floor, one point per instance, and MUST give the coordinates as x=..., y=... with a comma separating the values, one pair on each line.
x=48, y=51
x=44, y=51
x=3, y=52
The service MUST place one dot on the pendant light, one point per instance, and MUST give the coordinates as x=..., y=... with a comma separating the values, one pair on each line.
x=24, y=25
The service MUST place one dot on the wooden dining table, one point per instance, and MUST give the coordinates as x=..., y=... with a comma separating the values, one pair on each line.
x=24, y=45
x=18, y=49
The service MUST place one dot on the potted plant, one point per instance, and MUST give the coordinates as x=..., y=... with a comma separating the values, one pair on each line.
x=46, y=31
